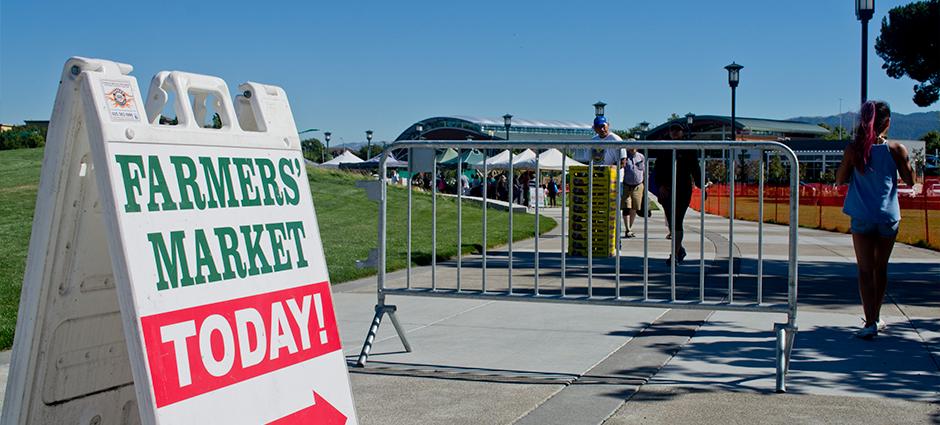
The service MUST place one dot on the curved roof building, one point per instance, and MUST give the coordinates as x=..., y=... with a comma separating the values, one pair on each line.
x=459, y=127
x=718, y=127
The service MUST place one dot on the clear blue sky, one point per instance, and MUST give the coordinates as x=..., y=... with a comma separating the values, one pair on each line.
x=382, y=65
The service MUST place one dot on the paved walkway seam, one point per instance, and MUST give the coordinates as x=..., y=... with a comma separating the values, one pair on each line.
x=598, y=393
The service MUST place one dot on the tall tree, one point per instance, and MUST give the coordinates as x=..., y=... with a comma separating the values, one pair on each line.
x=630, y=133
x=910, y=45
x=313, y=149
x=776, y=173
x=933, y=140
x=835, y=133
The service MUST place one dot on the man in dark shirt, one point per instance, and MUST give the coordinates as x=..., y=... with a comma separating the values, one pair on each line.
x=688, y=172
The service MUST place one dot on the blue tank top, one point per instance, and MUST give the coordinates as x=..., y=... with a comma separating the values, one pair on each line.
x=873, y=195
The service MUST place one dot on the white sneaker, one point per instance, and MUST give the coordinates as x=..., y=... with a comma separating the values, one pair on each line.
x=867, y=332
x=881, y=325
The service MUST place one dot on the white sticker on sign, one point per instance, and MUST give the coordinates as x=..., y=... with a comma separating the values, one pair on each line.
x=121, y=100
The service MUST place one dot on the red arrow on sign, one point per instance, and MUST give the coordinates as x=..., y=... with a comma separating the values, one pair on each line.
x=321, y=412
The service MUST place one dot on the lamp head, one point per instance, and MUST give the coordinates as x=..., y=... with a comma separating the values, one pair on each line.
x=507, y=120
x=734, y=74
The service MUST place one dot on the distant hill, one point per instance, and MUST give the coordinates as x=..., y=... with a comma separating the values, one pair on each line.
x=903, y=126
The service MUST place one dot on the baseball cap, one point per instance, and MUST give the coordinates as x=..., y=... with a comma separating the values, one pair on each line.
x=600, y=120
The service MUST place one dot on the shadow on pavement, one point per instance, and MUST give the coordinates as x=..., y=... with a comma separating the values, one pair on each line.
x=825, y=358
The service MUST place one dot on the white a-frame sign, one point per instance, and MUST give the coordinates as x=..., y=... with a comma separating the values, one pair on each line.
x=176, y=273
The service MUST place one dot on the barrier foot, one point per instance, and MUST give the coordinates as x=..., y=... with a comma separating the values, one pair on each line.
x=784, y=347
x=381, y=310
x=401, y=331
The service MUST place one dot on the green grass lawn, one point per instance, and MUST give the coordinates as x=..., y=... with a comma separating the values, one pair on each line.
x=19, y=181
x=348, y=223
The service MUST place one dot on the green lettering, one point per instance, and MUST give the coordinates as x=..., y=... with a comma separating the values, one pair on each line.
x=289, y=183
x=254, y=251
x=131, y=180
x=268, y=182
x=219, y=183
x=296, y=229
x=170, y=265
x=186, y=179
x=277, y=246
x=158, y=185
x=228, y=246
x=204, y=259
x=244, y=180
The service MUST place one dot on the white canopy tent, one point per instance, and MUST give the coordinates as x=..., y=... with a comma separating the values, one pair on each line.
x=550, y=160
x=502, y=157
x=503, y=163
x=345, y=158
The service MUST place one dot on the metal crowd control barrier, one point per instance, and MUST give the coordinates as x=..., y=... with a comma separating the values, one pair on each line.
x=565, y=292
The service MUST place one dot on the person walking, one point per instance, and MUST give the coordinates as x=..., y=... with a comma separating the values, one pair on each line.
x=464, y=184
x=607, y=156
x=634, y=168
x=870, y=165
x=552, y=192
x=688, y=172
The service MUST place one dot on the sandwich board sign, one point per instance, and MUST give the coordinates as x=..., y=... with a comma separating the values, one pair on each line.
x=175, y=272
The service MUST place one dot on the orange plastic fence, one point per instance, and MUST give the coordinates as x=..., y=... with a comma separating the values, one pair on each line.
x=821, y=207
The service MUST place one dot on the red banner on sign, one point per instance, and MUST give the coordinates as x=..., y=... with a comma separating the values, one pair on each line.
x=200, y=349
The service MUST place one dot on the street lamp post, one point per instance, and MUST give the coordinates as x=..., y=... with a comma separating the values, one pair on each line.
x=599, y=109
x=689, y=120
x=369, y=144
x=326, y=137
x=644, y=127
x=507, y=122
x=734, y=74
x=864, y=10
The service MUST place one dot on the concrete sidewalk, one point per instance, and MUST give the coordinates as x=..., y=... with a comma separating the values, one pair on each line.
x=477, y=361
x=501, y=362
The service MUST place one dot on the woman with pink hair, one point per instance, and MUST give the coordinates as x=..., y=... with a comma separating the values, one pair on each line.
x=870, y=165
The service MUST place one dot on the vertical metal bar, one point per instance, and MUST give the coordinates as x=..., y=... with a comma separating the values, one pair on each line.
x=383, y=220
x=434, y=223
x=701, y=231
x=410, y=188
x=459, y=217
x=794, y=236
x=646, y=218
x=590, y=222
x=538, y=191
x=512, y=195
x=760, y=230
x=780, y=357
x=486, y=176
x=564, y=223
x=731, y=230
x=617, y=228
x=672, y=230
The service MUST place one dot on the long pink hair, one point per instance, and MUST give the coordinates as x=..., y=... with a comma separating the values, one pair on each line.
x=872, y=121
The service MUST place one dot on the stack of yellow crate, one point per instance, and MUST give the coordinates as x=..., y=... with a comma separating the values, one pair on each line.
x=603, y=196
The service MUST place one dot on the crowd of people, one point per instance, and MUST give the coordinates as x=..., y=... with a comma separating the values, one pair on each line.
x=496, y=181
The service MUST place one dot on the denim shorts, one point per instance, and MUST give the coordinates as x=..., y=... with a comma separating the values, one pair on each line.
x=865, y=227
